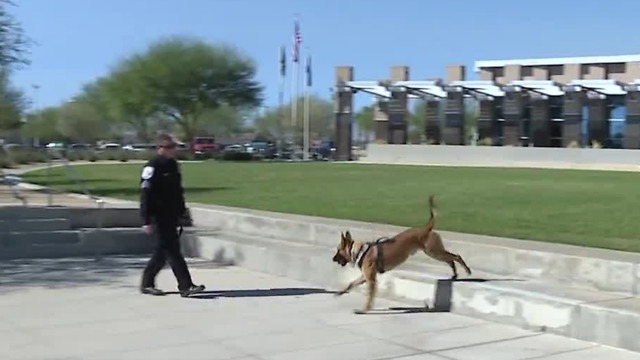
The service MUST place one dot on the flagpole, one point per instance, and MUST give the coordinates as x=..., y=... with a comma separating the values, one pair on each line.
x=307, y=88
x=281, y=112
x=297, y=39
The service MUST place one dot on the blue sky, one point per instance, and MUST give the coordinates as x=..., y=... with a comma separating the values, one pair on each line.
x=79, y=40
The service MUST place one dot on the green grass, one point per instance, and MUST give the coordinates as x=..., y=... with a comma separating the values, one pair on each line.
x=590, y=208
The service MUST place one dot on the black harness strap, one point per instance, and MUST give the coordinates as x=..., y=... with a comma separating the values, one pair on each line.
x=379, y=256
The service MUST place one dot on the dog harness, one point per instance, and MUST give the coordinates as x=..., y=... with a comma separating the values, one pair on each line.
x=364, y=249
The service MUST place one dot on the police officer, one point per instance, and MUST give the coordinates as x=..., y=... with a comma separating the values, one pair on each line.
x=161, y=206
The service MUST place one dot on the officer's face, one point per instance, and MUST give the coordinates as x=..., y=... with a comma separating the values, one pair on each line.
x=167, y=149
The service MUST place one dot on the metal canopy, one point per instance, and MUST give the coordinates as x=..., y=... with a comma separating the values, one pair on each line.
x=374, y=88
x=429, y=88
x=488, y=88
x=422, y=89
x=604, y=87
x=544, y=87
x=370, y=87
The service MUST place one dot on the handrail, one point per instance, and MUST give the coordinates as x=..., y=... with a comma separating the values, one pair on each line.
x=75, y=177
x=11, y=183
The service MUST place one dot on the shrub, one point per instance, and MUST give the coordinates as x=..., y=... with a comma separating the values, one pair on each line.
x=147, y=154
x=73, y=156
x=5, y=161
x=92, y=156
x=185, y=155
x=487, y=141
x=110, y=155
x=123, y=155
x=20, y=156
x=573, y=144
x=40, y=155
x=237, y=156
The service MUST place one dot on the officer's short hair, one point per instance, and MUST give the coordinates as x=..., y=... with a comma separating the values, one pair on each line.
x=164, y=138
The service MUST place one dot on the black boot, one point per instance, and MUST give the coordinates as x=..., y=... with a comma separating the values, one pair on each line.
x=151, y=290
x=193, y=289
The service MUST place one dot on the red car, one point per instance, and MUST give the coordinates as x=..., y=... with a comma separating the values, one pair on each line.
x=203, y=144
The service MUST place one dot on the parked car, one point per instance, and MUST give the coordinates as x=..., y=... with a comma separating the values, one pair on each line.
x=80, y=147
x=202, y=145
x=110, y=147
x=264, y=149
x=234, y=148
x=324, y=151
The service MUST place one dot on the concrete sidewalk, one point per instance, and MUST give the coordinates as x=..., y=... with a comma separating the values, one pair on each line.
x=86, y=309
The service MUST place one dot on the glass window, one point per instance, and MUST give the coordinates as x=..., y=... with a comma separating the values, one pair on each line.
x=616, y=131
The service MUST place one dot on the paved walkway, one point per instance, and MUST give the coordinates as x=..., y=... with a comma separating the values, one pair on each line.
x=40, y=198
x=506, y=164
x=90, y=310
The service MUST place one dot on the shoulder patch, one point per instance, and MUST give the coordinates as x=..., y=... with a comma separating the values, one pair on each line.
x=147, y=172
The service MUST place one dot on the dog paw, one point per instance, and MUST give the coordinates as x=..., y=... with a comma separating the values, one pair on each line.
x=339, y=293
x=454, y=277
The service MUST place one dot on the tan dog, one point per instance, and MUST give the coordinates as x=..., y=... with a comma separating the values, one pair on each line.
x=385, y=254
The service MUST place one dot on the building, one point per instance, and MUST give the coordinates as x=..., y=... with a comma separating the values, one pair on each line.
x=589, y=72
x=622, y=68
x=555, y=102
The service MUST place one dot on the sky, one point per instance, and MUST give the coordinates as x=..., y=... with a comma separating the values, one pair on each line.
x=79, y=40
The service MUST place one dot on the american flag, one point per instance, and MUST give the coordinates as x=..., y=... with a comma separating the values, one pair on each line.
x=283, y=61
x=297, y=40
x=308, y=70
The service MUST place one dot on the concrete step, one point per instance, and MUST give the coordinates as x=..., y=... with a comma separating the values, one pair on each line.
x=79, y=217
x=74, y=243
x=567, y=265
x=34, y=225
x=602, y=317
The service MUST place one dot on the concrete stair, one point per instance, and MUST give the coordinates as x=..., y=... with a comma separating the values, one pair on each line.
x=55, y=232
x=584, y=293
x=8, y=226
x=603, y=317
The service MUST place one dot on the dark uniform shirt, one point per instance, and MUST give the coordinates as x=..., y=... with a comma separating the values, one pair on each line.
x=162, y=195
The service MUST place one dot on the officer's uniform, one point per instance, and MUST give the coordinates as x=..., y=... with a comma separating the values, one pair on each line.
x=161, y=205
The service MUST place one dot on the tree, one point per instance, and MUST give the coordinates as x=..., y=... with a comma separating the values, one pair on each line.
x=321, y=120
x=417, y=122
x=13, y=50
x=365, y=118
x=44, y=125
x=183, y=79
x=129, y=101
x=13, y=42
x=79, y=120
x=12, y=104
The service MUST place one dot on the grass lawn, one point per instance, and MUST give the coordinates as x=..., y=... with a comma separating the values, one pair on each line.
x=591, y=208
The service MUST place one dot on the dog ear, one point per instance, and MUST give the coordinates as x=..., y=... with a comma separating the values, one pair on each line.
x=347, y=235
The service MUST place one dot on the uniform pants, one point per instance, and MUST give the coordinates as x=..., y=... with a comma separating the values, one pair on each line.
x=167, y=249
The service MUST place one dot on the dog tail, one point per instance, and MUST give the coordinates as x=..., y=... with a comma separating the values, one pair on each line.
x=432, y=214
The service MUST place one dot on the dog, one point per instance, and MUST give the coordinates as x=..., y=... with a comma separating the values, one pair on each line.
x=385, y=254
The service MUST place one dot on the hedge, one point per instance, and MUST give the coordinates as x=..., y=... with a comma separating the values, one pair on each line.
x=12, y=157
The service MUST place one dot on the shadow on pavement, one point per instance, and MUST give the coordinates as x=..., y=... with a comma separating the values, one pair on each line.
x=259, y=293
x=22, y=274
x=441, y=299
